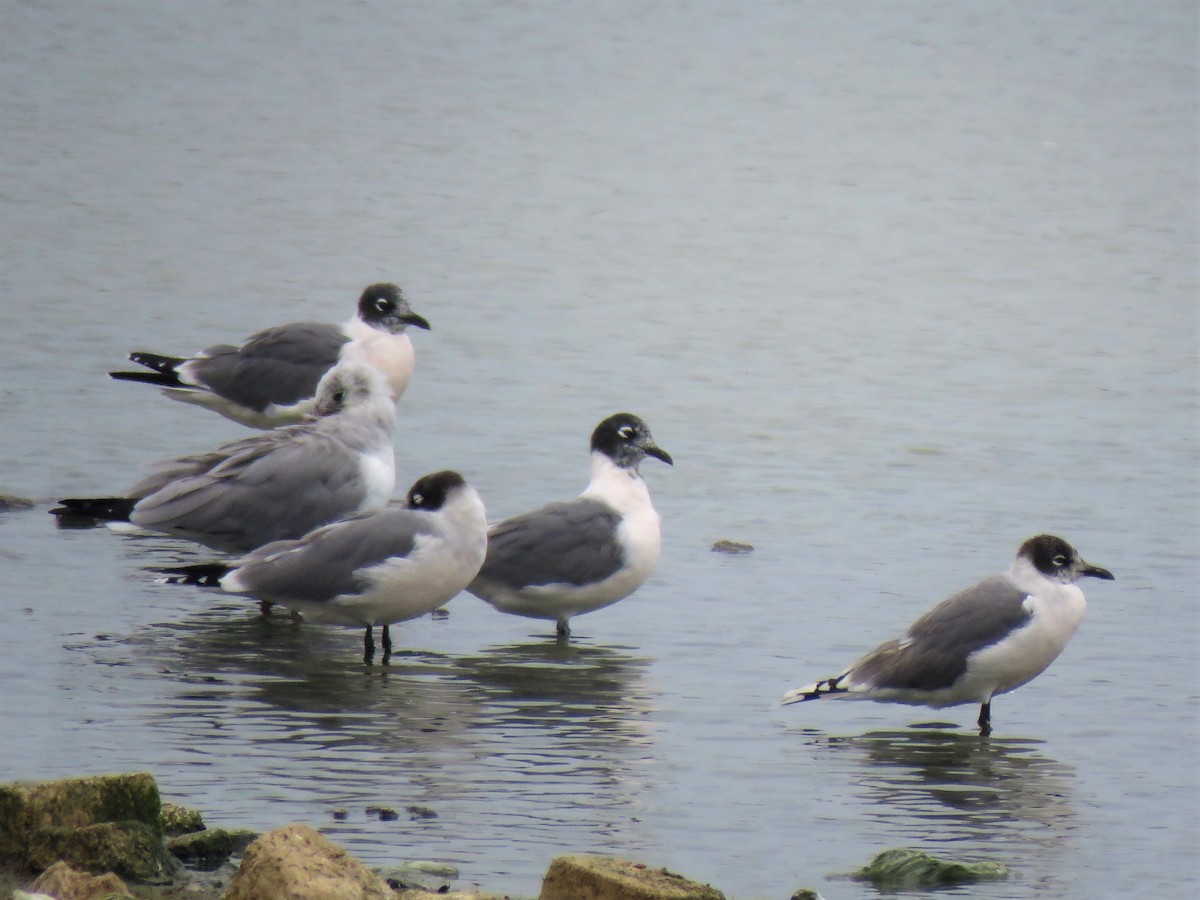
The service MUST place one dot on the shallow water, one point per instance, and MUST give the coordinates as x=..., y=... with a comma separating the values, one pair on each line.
x=896, y=287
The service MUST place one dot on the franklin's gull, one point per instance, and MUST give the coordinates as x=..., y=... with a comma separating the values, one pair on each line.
x=271, y=379
x=276, y=485
x=987, y=640
x=584, y=554
x=395, y=565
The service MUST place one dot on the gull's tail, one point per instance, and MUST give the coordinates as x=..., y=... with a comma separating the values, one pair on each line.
x=163, y=370
x=203, y=574
x=93, y=509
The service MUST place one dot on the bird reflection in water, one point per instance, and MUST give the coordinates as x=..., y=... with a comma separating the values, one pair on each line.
x=1000, y=799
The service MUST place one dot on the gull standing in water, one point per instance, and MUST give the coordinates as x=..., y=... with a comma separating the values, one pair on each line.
x=989, y=639
x=577, y=556
x=271, y=379
x=389, y=567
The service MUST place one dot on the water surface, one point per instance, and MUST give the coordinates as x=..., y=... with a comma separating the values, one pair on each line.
x=897, y=285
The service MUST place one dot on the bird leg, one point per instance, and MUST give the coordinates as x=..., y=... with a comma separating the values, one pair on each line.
x=264, y=608
x=562, y=629
x=387, y=644
x=985, y=719
x=368, y=646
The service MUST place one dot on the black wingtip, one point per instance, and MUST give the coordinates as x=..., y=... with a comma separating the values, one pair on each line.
x=162, y=379
x=94, y=509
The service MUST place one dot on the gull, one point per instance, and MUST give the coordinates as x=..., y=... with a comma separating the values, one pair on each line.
x=276, y=485
x=573, y=557
x=394, y=565
x=986, y=640
x=271, y=379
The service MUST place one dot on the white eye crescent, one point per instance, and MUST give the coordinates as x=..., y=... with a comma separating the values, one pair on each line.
x=1059, y=560
x=418, y=499
x=625, y=432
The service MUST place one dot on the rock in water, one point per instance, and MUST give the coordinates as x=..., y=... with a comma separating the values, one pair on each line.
x=60, y=880
x=605, y=878
x=101, y=823
x=904, y=869
x=298, y=861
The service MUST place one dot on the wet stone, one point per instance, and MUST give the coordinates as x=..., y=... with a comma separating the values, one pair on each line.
x=732, y=547
x=905, y=869
x=606, y=878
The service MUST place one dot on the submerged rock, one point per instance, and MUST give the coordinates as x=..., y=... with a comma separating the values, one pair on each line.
x=728, y=546
x=298, y=861
x=903, y=868
x=9, y=503
x=605, y=878
x=209, y=848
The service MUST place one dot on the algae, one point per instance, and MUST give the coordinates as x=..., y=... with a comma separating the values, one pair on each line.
x=902, y=868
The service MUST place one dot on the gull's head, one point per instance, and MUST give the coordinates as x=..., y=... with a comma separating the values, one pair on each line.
x=385, y=307
x=351, y=384
x=430, y=492
x=626, y=440
x=1058, y=561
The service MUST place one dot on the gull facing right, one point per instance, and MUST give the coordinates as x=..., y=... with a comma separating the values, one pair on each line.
x=395, y=565
x=986, y=640
x=271, y=378
x=575, y=557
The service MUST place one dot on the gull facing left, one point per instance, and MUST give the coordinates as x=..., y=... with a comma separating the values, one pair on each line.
x=395, y=565
x=986, y=640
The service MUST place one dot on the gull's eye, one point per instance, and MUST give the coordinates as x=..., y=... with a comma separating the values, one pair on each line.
x=416, y=499
x=383, y=304
x=339, y=397
x=1059, y=561
x=625, y=432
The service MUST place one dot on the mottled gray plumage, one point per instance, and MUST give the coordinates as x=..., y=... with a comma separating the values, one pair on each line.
x=268, y=490
x=573, y=542
x=933, y=652
x=277, y=485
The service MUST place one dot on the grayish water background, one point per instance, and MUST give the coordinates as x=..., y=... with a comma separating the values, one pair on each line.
x=898, y=285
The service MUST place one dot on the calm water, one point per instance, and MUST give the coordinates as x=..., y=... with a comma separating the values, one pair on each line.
x=898, y=285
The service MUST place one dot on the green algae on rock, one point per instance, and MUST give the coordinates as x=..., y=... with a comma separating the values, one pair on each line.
x=902, y=868
x=97, y=823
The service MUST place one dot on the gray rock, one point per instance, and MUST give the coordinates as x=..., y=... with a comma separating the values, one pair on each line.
x=734, y=547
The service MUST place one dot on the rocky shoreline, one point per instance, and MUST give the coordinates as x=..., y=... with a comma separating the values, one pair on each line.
x=111, y=837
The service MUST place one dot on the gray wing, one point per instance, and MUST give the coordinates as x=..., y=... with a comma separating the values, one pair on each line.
x=280, y=365
x=165, y=471
x=933, y=653
x=330, y=561
x=273, y=489
x=562, y=543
